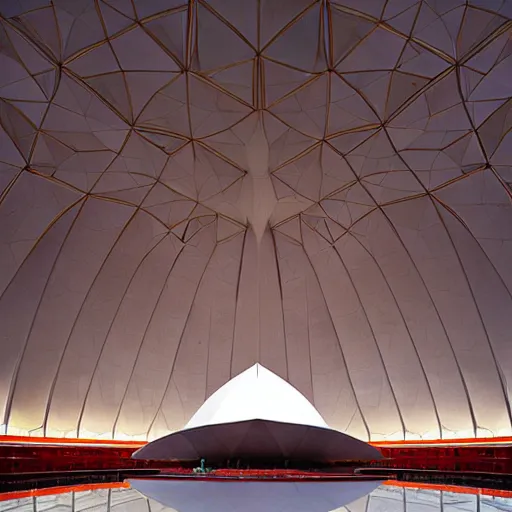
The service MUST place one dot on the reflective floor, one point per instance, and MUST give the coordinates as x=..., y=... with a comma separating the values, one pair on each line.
x=257, y=496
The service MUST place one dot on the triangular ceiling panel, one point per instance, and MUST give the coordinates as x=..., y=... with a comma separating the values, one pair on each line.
x=199, y=174
x=438, y=24
x=290, y=228
x=167, y=110
x=281, y=80
x=278, y=15
x=171, y=30
x=18, y=126
x=239, y=80
x=347, y=31
x=168, y=206
x=137, y=51
x=218, y=45
x=241, y=16
x=98, y=60
x=112, y=87
x=42, y=25
x=417, y=60
x=348, y=109
x=381, y=45
x=227, y=229
x=115, y=20
x=285, y=142
x=305, y=109
x=301, y=45
x=401, y=15
x=476, y=27
x=79, y=26
x=317, y=173
x=211, y=109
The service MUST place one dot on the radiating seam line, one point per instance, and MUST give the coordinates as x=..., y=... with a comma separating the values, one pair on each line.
x=309, y=342
x=11, y=183
x=185, y=325
x=292, y=22
x=143, y=339
x=39, y=239
x=240, y=269
x=479, y=313
x=14, y=380
x=375, y=341
x=79, y=312
x=335, y=331
x=225, y=22
x=107, y=335
x=208, y=350
x=438, y=314
x=281, y=304
x=475, y=239
x=427, y=382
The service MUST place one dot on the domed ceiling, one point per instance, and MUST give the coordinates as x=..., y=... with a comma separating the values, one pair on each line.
x=322, y=187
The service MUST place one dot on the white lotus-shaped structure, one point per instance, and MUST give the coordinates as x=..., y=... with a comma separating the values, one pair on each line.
x=258, y=416
x=256, y=393
x=188, y=188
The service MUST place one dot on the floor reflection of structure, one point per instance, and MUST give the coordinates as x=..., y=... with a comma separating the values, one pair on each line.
x=263, y=497
x=190, y=496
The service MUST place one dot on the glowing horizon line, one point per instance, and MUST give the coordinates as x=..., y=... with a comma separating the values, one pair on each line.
x=13, y=439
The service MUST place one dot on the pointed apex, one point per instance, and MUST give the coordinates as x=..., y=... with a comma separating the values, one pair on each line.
x=257, y=393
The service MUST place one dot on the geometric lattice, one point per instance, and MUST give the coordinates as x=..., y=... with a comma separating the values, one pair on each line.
x=188, y=188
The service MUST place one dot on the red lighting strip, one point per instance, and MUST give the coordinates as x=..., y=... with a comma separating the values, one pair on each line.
x=18, y=495
x=139, y=444
x=451, y=442
x=65, y=441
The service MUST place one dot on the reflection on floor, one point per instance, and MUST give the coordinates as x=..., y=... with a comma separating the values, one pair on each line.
x=215, y=496
x=389, y=497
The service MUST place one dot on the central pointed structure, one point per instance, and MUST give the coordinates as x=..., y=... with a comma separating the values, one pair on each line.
x=258, y=416
x=260, y=394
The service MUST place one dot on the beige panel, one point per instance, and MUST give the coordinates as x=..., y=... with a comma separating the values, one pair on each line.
x=94, y=233
x=86, y=341
x=326, y=379
x=357, y=340
x=448, y=284
x=153, y=367
x=124, y=338
x=19, y=303
x=22, y=227
x=205, y=347
x=422, y=319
